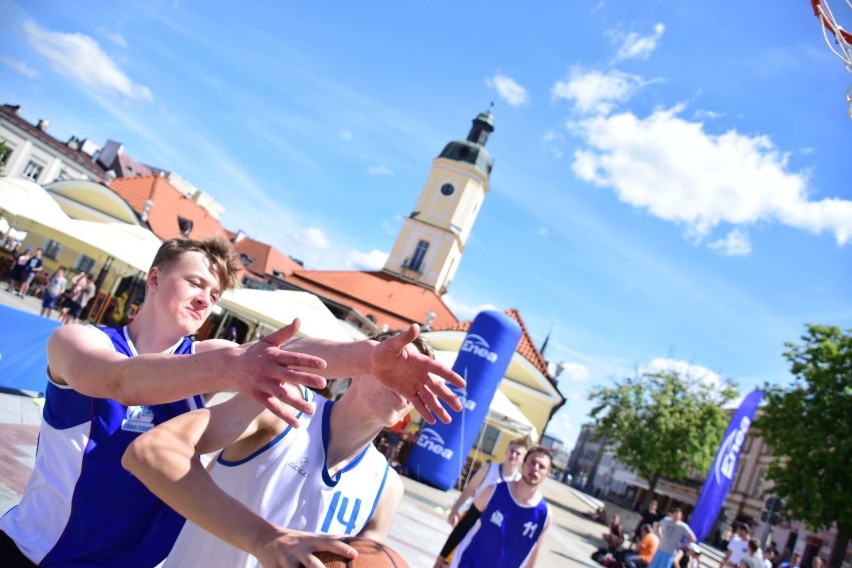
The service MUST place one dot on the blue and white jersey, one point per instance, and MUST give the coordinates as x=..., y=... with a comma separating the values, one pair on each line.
x=80, y=507
x=287, y=483
x=505, y=535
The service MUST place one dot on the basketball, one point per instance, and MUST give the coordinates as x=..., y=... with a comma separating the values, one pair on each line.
x=371, y=554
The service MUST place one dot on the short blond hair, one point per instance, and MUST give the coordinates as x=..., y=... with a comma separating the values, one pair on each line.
x=216, y=249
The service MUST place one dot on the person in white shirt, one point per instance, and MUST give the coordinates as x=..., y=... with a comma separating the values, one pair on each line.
x=326, y=477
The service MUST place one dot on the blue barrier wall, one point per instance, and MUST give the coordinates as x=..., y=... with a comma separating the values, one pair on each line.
x=440, y=450
x=23, y=349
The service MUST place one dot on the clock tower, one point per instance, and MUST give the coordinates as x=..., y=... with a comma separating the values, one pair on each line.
x=431, y=242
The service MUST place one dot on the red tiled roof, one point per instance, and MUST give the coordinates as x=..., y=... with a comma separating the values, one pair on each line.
x=392, y=301
x=526, y=346
x=267, y=259
x=74, y=156
x=169, y=203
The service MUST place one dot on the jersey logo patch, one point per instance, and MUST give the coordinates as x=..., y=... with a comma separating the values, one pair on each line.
x=139, y=419
x=497, y=518
x=301, y=467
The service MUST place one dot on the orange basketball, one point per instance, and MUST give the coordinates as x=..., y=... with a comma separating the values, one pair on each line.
x=371, y=554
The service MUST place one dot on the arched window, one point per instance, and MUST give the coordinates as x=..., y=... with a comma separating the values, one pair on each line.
x=419, y=253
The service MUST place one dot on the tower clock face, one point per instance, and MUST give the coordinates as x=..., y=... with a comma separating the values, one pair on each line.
x=447, y=189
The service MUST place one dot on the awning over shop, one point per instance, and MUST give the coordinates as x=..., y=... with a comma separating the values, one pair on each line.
x=502, y=411
x=277, y=308
x=28, y=206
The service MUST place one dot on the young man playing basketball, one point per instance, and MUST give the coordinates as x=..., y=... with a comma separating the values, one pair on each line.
x=507, y=470
x=506, y=522
x=106, y=386
x=326, y=477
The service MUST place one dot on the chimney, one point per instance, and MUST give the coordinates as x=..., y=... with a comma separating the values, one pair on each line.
x=73, y=143
x=42, y=125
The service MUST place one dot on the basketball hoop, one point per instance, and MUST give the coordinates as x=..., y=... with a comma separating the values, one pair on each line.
x=839, y=41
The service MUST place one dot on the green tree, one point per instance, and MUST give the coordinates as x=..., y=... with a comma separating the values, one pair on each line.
x=808, y=425
x=662, y=425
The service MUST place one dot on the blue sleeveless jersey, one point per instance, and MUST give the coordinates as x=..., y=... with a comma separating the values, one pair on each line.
x=81, y=507
x=505, y=535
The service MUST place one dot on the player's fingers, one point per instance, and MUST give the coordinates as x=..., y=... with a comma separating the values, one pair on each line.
x=420, y=406
x=302, y=360
x=444, y=393
x=403, y=338
x=434, y=405
x=294, y=398
x=295, y=377
x=281, y=335
x=445, y=373
x=336, y=546
x=280, y=410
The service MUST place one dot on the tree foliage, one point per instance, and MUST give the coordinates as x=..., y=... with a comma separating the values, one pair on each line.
x=662, y=424
x=809, y=427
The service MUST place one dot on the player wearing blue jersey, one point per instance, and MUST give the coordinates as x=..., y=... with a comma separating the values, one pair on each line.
x=325, y=477
x=80, y=508
x=506, y=522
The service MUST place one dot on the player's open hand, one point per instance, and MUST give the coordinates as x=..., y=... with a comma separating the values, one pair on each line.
x=292, y=549
x=415, y=376
x=263, y=370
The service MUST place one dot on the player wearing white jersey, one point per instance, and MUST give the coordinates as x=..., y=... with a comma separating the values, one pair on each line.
x=325, y=477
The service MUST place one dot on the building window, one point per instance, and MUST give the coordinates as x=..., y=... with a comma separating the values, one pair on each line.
x=85, y=264
x=51, y=249
x=489, y=439
x=63, y=175
x=32, y=170
x=419, y=253
x=5, y=152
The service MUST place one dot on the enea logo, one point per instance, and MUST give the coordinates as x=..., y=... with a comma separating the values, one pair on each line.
x=467, y=403
x=476, y=345
x=726, y=464
x=431, y=441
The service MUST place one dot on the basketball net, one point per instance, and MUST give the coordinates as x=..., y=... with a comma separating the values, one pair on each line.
x=839, y=41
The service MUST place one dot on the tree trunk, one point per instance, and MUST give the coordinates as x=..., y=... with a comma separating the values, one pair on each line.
x=649, y=496
x=841, y=543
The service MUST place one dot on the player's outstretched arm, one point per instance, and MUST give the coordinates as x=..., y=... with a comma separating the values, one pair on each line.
x=466, y=493
x=167, y=460
x=84, y=358
x=395, y=364
x=380, y=525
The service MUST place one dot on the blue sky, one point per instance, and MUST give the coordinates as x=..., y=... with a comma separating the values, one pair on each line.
x=671, y=178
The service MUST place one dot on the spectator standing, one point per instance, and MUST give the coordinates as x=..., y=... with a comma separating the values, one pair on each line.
x=673, y=533
x=33, y=266
x=54, y=289
x=738, y=547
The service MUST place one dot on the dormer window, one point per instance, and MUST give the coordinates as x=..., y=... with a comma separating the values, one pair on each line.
x=185, y=226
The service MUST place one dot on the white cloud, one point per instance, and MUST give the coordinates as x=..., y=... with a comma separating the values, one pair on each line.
x=596, y=91
x=313, y=237
x=573, y=372
x=373, y=260
x=552, y=140
x=635, y=46
x=81, y=58
x=684, y=369
x=735, y=243
x=678, y=172
x=464, y=311
x=542, y=232
x=508, y=89
x=18, y=66
x=345, y=134
x=379, y=171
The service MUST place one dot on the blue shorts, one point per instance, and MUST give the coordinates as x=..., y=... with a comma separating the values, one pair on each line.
x=661, y=560
x=48, y=300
